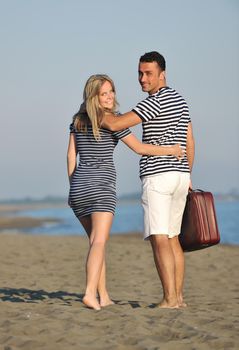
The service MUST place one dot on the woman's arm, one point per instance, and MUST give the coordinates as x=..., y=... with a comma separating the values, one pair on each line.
x=71, y=156
x=152, y=150
x=190, y=148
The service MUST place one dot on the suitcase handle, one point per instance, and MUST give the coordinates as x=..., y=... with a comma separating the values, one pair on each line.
x=196, y=190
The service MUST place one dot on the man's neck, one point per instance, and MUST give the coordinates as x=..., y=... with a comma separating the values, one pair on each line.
x=161, y=85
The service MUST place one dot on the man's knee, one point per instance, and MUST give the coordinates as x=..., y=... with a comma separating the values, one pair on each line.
x=175, y=244
x=159, y=239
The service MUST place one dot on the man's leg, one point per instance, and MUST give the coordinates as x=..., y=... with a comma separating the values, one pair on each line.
x=165, y=264
x=177, y=208
x=179, y=268
x=156, y=201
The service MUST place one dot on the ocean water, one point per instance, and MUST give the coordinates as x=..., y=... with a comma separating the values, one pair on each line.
x=129, y=218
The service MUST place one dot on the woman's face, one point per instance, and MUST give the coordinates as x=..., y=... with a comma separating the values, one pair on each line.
x=106, y=96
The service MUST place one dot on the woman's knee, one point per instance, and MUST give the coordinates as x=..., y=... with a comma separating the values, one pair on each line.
x=98, y=239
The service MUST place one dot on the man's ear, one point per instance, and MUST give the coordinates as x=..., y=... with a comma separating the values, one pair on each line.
x=162, y=75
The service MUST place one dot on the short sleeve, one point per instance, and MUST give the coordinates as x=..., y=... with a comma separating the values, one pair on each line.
x=186, y=113
x=148, y=109
x=122, y=133
x=72, y=128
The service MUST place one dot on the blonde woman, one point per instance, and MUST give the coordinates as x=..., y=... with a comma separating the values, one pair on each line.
x=92, y=194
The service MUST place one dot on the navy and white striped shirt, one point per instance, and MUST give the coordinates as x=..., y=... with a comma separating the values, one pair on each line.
x=165, y=119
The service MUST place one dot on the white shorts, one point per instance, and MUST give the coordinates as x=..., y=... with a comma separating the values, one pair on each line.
x=163, y=200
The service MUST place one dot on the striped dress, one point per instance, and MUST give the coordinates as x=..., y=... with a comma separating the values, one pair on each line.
x=93, y=184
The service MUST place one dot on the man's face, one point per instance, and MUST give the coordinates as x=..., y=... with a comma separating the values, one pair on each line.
x=149, y=73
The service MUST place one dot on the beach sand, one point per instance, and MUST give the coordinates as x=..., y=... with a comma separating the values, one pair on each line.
x=42, y=281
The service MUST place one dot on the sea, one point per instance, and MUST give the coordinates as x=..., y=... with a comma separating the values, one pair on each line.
x=129, y=218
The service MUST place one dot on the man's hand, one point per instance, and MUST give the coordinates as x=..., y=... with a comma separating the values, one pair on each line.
x=179, y=151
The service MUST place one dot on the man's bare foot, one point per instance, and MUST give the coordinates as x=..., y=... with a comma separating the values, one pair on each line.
x=181, y=303
x=168, y=305
x=91, y=302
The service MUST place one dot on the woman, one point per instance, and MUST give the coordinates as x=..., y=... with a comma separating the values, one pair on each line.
x=92, y=181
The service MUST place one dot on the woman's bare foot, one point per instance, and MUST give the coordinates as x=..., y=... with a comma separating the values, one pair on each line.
x=106, y=302
x=91, y=302
x=168, y=305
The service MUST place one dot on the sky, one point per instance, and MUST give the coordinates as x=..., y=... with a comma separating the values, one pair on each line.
x=50, y=47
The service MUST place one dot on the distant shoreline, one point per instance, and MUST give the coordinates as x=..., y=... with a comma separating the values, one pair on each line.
x=14, y=207
x=10, y=221
x=14, y=216
x=50, y=201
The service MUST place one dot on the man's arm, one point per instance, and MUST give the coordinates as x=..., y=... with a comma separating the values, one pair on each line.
x=126, y=120
x=190, y=148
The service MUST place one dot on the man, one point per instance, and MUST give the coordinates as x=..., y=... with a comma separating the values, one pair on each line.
x=165, y=179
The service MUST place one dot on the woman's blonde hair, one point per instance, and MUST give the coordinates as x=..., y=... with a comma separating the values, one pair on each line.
x=90, y=111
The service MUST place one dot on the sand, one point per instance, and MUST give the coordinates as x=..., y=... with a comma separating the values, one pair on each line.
x=42, y=281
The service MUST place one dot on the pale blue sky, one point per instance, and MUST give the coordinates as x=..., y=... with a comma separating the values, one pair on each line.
x=50, y=47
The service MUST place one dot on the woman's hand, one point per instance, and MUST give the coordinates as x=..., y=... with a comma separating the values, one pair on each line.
x=178, y=151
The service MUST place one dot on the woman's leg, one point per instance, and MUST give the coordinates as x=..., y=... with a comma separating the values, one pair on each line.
x=103, y=293
x=102, y=290
x=101, y=223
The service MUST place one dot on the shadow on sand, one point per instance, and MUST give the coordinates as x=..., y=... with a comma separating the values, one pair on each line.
x=24, y=295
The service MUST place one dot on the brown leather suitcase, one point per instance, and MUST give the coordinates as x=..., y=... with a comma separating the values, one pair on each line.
x=199, y=225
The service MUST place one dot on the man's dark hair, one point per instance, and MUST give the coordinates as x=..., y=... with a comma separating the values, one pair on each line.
x=154, y=56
